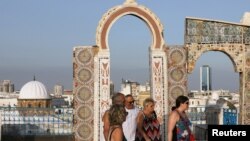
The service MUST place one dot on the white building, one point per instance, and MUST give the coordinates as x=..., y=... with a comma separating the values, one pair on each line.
x=8, y=99
x=139, y=92
x=34, y=116
x=208, y=107
x=132, y=87
x=58, y=90
x=6, y=86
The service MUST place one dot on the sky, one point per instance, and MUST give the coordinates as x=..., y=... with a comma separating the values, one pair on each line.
x=37, y=39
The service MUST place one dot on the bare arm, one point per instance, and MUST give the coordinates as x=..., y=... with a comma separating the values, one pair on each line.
x=139, y=126
x=173, y=118
x=106, y=125
x=117, y=135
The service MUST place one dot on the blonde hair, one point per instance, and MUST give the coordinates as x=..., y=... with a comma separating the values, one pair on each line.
x=117, y=113
x=147, y=101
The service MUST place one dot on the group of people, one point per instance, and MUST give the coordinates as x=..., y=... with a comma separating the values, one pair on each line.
x=125, y=122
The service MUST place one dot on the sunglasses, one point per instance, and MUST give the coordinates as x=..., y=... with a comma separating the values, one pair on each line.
x=187, y=103
x=131, y=102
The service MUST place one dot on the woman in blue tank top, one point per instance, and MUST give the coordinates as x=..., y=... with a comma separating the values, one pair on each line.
x=178, y=122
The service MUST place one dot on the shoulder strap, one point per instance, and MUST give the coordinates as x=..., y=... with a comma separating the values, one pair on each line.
x=143, y=114
x=155, y=114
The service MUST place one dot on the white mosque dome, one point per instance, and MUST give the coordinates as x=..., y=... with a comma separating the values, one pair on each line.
x=34, y=90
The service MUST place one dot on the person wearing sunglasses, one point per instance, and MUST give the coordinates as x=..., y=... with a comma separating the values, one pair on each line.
x=178, y=121
x=129, y=126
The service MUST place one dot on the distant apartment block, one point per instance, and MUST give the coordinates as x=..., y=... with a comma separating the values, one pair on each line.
x=6, y=86
x=213, y=107
x=129, y=87
x=138, y=91
x=58, y=90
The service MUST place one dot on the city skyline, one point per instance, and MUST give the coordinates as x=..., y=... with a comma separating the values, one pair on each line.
x=37, y=38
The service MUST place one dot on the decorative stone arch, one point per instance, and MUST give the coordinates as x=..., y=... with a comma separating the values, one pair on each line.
x=233, y=39
x=136, y=10
x=157, y=61
x=235, y=53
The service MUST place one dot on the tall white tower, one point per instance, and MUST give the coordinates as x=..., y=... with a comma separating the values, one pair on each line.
x=205, y=78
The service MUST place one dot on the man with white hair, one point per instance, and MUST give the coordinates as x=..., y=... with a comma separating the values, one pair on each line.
x=129, y=126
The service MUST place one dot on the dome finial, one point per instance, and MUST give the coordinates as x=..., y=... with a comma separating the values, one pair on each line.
x=34, y=78
x=130, y=2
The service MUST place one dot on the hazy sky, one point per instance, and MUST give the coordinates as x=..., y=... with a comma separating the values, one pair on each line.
x=37, y=38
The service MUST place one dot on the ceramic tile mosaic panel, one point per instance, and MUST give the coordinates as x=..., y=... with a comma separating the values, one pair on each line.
x=215, y=32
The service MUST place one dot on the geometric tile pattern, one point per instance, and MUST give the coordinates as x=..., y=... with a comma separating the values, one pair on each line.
x=177, y=73
x=159, y=85
x=83, y=82
x=203, y=31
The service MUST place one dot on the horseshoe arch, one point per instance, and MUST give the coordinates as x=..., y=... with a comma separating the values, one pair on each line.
x=157, y=56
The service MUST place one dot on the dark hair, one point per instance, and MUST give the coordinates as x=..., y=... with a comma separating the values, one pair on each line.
x=180, y=99
x=118, y=98
x=117, y=113
x=173, y=108
x=129, y=95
